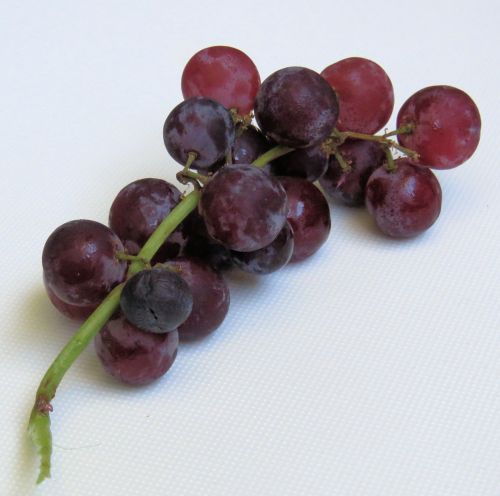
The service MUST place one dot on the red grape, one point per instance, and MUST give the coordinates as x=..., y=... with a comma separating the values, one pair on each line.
x=447, y=126
x=349, y=187
x=200, y=245
x=365, y=93
x=244, y=208
x=210, y=298
x=224, y=74
x=296, y=107
x=270, y=258
x=73, y=312
x=137, y=211
x=133, y=356
x=79, y=262
x=404, y=202
x=308, y=214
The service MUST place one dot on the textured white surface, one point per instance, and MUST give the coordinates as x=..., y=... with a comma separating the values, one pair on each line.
x=371, y=369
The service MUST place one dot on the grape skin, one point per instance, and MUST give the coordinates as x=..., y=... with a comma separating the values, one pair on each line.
x=210, y=298
x=79, y=262
x=202, y=126
x=74, y=312
x=243, y=207
x=349, y=187
x=270, y=258
x=200, y=245
x=447, y=126
x=138, y=210
x=134, y=356
x=296, y=107
x=365, y=93
x=156, y=300
x=309, y=163
x=404, y=202
x=224, y=74
x=249, y=144
x=309, y=216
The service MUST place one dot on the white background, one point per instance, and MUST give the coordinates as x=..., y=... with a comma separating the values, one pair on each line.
x=371, y=369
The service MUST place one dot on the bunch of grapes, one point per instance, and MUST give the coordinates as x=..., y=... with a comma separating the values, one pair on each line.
x=154, y=277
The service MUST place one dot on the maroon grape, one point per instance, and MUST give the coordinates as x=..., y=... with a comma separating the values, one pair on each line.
x=74, y=312
x=365, y=93
x=133, y=356
x=156, y=300
x=210, y=298
x=296, y=107
x=404, y=202
x=201, y=126
x=270, y=258
x=349, y=187
x=243, y=207
x=137, y=211
x=80, y=263
x=309, y=163
x=447, y=126
x=225, y=74
x=200, y=245
x=249, y=144
x=309, y=216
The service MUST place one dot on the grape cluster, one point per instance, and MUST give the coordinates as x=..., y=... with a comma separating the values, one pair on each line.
x=259, y=196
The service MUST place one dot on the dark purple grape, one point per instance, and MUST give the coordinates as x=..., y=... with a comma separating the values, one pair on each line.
x=404, y=202
x=249, y=144
x=74, y=312
x=308, y=214
x=296, y=107
x=137, y=211
x=270, y=258
x=243, y=207
x=349, y=187
x=156, y=300
x=309, y=163
x=133, y=356
x=79, y=262
x=202, y=126
x=200, y=245
x=210, y=298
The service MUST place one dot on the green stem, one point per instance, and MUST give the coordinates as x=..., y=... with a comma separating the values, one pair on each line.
x=381, y=139
x=391, y=166
x=39, y=423
x=189, y=162
x=346, y=168
x=404, y=129
x=195, y=175
x=271, y=155
x=165, y=229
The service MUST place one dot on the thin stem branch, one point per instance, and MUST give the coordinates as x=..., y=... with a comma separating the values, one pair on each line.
x=342, y=162
x=390, y=166
x=381, y=139
x=404, y=129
